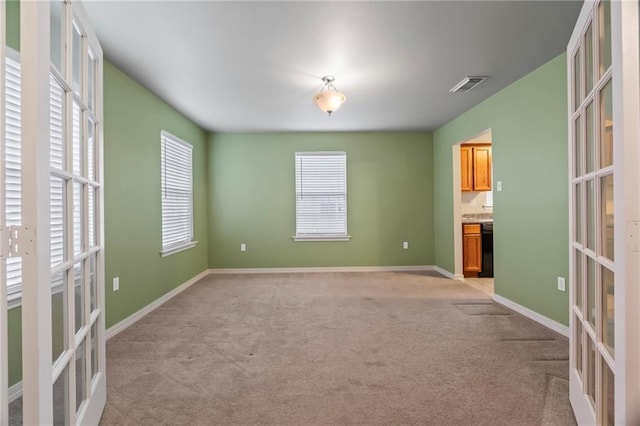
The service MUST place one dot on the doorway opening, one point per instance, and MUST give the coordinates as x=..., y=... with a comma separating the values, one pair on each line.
x=473, y=211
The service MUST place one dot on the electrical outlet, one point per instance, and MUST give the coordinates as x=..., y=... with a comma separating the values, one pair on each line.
x=405, y=245
x=243, y=247
x=561, y=285
x=116, y=284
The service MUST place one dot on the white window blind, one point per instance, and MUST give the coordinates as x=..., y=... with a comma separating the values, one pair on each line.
x=489, y=199
x=321, y=195
x=58, y=184
x=13, y=162
x=13, y=170
x=177, y=193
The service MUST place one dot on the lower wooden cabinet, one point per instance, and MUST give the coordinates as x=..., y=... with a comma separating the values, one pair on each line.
x=471, y=249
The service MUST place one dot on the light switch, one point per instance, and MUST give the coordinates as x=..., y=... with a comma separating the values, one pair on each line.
x=243, y=247
x=116, y=284
x=561, y=285
x=405, y=245
x=499, y=185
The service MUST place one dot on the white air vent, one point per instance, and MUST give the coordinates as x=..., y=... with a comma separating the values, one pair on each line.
x=467, y=84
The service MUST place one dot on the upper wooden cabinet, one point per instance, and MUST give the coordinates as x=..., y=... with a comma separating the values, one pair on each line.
x=466, y=167
x=475, y=166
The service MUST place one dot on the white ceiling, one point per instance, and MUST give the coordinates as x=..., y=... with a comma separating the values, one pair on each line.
x=255, y=66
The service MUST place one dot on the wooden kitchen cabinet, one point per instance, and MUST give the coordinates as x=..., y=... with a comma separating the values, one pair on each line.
x=466, y=167
x=471, y=249
x=475, y=166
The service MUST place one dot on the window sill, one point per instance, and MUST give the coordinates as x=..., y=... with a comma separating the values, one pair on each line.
x=322, y=238
x=178, y=249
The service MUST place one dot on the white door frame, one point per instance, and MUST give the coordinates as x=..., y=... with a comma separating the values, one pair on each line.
x=37, y=393
x=626, y=133
x=4, y=331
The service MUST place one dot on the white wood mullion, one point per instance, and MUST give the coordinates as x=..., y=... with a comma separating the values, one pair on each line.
x=68, y=206
x=4, y=331
x=626, y=133
x=36, y=302
x=60, y=364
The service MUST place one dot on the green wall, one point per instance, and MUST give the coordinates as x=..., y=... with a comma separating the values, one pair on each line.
x=529, y=134
x=389, y=200
x=13, y=24
x=134, y=118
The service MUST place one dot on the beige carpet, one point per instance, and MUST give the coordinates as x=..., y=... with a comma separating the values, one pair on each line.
x=336, y=348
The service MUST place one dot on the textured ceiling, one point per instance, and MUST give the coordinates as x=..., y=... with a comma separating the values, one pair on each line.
x=255, y=66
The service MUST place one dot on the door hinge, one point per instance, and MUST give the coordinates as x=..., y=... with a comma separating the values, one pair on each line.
x=17, y=241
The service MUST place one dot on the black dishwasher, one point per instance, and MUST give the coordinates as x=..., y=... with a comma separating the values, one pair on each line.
x=487, y=250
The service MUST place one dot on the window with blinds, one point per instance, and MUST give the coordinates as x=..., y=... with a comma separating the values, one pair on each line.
x=177, y=194
x=13, y=163
x=13, y=172
x=489, y=199
x=321, y=195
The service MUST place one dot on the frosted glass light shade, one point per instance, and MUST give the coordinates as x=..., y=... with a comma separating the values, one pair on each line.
x=329, y=101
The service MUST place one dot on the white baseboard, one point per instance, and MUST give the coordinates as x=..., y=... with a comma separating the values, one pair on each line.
x=407, y=268
x=444, y=272
x=131, y=319
x=541, y=319
x=15, y=392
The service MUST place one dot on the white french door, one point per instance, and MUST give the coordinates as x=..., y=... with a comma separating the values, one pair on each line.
x=76, y=258
x=60, y=240
x=603, y=162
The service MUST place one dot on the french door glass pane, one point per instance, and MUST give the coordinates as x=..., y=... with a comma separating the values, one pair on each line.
x=56, y=25
x=590, y=149
x=14, y=358
x=604, y=12
x=94, y=349
x=577, y=141
x=77, y=218
x=588, y=59
x=606, y=231
x=579, y=278
x=60, y=405
x=93, y=282
x=591, y=214
x=591, y=370
x=608, y=309
x=90, y=150
x=608, y=393
x=591, y=291
x=91, y=82
x=77, y=139
x=58, y=315
x=77, y=59
x=91, y=194
x=578, y=212
x=81, y=393
x=606, y=126
x=79, y=295
x=577, y=85
x=56, y=123
x=57, y=201
x=578, y=346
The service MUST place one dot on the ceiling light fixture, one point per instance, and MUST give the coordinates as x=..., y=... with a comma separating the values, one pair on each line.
x=329, y=99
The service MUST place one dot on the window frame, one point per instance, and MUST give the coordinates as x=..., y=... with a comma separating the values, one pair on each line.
x=181, y=245
x=320, y=236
